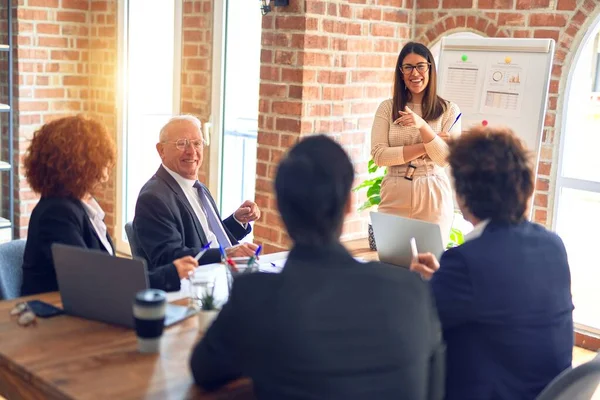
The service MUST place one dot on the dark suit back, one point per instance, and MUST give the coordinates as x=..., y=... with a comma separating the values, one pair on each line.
x=54, y=220
x=504, y=300
x=327, y=327
x=167, y=227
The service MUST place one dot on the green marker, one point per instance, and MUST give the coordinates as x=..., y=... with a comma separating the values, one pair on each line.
x=464, y=57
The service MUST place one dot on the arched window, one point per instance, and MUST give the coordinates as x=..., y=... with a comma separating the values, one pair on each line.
x=577, y=205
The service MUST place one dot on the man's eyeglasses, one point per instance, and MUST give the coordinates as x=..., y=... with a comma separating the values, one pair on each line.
x=24, y=313
x=422, y=68
x=182, y=144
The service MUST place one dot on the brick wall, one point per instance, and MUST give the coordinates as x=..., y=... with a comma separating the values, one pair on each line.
x=196, y=65
x=65, y=55
x=325, y=67
x=565, y=21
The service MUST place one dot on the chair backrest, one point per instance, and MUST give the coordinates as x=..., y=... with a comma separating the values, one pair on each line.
x=136, y=250
x=11, y=272
x=578, y=383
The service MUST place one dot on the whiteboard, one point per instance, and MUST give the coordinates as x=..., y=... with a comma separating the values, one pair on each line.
x=499, y=81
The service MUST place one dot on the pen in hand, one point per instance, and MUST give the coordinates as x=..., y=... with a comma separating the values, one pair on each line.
x=455, y=121
x=252, y=259
x=201, y=252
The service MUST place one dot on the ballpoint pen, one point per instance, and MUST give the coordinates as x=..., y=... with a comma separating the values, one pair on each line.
x=204, y=250
x=455, y=121
x=252, y=259
x=199, y=255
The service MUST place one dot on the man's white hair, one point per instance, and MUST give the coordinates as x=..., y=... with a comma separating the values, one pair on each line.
x=162, y=137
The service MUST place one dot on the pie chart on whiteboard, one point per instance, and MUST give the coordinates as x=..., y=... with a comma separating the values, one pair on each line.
x=497, y=76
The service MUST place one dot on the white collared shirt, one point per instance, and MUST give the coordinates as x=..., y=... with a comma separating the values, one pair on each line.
x=477, y=230
x=96, y=216
x=191, y=193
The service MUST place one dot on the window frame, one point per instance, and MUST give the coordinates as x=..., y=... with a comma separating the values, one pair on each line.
x=120, y=239
x=586, y=336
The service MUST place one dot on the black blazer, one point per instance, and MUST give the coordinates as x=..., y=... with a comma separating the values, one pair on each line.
x=327, y=327
x=64, y=220
x=167, y=227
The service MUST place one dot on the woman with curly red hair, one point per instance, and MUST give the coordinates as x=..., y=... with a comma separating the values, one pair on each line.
x=67, y=161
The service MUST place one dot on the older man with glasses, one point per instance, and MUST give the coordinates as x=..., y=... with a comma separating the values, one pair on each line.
x=176, y=215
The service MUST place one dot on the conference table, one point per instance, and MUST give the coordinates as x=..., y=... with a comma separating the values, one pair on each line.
x=66, y=357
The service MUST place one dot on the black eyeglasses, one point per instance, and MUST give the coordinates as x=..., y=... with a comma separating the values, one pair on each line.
x=422, y=68
x=181, y=144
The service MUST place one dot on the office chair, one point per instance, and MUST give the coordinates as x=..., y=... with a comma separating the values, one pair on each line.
x=136, y=250
x=11, y=273
x=579, y=383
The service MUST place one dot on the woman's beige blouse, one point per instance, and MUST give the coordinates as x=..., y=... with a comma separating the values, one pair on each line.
x=388, y=139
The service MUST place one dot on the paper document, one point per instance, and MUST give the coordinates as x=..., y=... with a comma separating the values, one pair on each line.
x=273, y=266
x=504, y=85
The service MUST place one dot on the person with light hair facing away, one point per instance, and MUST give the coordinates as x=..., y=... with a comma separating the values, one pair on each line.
x=67, y=162
x=175, y=214
x=328, y=326
x=504, y=296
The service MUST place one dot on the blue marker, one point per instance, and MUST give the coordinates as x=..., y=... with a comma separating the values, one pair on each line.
x=201, y=252
x=455, y=121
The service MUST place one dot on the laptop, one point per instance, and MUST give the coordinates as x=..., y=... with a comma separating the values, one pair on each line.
x=392, y=237
x=101, y=287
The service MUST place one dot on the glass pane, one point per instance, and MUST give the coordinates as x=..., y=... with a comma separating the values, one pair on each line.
x=578, y=224
x=582, y=136
x=149, y=91
x=242, y=77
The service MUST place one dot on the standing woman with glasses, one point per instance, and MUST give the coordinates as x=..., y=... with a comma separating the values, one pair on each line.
x=409, y=137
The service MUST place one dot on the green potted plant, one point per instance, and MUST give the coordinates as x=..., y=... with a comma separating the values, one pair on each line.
x=208, y=309
x=373, y=186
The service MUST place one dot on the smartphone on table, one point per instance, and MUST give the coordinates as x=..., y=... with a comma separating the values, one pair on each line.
x=44, y=310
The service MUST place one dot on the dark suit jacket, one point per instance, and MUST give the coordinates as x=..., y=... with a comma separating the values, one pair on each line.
x=167, y=227
x=327, y=327
x=504, y=300
x=64, y=220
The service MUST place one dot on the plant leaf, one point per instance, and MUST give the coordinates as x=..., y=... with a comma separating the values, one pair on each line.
x=374, y=190
x=372, y=167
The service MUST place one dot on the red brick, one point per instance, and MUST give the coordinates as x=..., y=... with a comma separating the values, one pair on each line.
x=383, y=30
x=75, y=80
x=335, y=26
x=284, y=57
x=46, y=41
x=290, y=23
x=513, y=19
x=566, y=5
x=287, y=125
x=49, y=93
x=532, y=4
x=99, y=6
x=397, y=16
x=269, y=73
x=422, y=4
x=425, y=17
x=546, y=34
x=336, y=78
x=33, y=106
x=579, y=18
x=540, y=217
x=52, y=29
x=373, y=14
x=313, y=41
x=291, y=75
x=273, y=90
x=287, y=108
x=33, y=15
x=547, y=19
x=521, y=33
x=496, y=4
x=316, y=59
x=544, y=168
x=75, y=4
x=457, y=4
x=71, y=16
